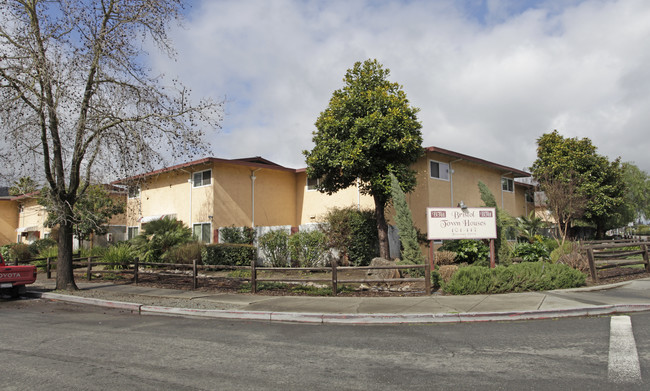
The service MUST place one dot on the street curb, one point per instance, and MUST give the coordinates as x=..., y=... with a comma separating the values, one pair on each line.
x=87, y=300
x=361, y=318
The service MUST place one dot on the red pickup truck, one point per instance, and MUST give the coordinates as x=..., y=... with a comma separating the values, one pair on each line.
x=14, y=278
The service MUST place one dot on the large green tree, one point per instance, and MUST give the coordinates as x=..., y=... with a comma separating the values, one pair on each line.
x=77, y=98
x=92, y=211
x=598, y=180
x=368, y=131
x=637, y=197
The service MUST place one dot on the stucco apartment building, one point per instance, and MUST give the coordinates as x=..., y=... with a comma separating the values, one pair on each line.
x=210, y=193
x=22, y=220
x=8, y=217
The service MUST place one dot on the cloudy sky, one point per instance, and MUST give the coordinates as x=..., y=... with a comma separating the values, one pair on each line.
x=490, y=76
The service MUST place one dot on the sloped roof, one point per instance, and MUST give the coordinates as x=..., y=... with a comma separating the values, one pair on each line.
x=253, y=162
x=500, y=167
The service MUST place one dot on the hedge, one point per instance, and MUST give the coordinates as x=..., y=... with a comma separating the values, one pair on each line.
x=230, y=254
x=528, y=276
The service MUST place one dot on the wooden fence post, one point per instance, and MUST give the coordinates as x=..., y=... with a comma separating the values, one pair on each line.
x=48, y=269
x=136, y=267
x=427, y=278
x=89, y=269
x=253, y=277
x=194, y=272
x=646, y=258
x=592, y=264
x=334, y=278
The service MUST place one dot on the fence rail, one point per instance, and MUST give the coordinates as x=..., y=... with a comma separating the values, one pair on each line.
x=135, y=269
x=610, y=254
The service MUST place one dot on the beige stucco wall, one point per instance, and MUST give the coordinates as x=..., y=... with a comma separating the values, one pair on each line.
x=522, y=208
x=461, y=186
x=8, y=221
x=313, y=205
x=282, y=198
x=32, y=215
x=226, y=201
x=275, y=197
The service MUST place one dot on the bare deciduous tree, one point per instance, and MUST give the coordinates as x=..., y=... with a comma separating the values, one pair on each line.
x=77, y=98
x=565, y=202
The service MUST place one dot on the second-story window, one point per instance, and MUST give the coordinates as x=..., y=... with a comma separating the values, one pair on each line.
x=202, y=178
x=439, y=170
x=507, y=184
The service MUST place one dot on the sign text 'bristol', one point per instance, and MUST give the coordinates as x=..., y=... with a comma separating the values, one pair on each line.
x=457, y=223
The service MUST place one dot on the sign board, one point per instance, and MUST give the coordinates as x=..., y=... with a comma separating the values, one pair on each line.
x=457, y=223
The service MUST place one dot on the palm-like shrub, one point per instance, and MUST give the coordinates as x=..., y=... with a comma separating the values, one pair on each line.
x=159, y=236
x=118, y=255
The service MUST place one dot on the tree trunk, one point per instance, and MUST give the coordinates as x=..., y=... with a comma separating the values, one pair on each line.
x=382, y=227
x=64, y=271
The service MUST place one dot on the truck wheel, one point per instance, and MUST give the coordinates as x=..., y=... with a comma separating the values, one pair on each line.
x=16, y=291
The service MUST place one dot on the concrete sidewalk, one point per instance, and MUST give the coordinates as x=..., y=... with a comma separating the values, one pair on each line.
x=625, y=297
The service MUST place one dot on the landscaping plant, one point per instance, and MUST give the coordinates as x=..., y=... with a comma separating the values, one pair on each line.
x=308, y=248
x=238, y=235
x=159, y=236
x=531, y=252
x=527, y=276
x=118, y=255
x=229, y=254
x=467, y=250
x=411, y=253
x=353, y=233
x=275, y=247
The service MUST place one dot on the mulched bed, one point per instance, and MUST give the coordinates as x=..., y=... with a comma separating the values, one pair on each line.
x=234, y=285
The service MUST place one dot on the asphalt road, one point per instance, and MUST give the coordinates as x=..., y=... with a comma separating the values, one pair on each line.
x=63, y=346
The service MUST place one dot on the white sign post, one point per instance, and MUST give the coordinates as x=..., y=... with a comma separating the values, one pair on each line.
x=462, y=223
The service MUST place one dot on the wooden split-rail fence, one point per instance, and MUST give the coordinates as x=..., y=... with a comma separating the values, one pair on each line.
x=616, y=253
x=161, y=269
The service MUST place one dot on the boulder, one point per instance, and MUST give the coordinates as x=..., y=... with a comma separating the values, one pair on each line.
x=381, y=274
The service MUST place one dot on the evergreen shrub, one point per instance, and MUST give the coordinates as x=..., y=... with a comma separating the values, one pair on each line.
x=528, y=276
x=275, y=247
x=531, y=252
x=467, y=250
x=230, y=254
x=308, y=248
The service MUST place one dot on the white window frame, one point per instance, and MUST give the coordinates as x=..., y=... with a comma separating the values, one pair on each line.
x=195, y=225
x=312, y=187
x=440, y=166
x=203, y=180
x=509, y=184
x=136, y=192
x=132, y=229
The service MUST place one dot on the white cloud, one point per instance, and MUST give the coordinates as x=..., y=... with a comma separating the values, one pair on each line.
x=488, y=81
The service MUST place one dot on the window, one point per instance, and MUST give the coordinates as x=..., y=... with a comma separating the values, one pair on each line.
x=202, y=178
x=312, y=184
x=529, y=196
x=507, y=184
x=439, y=170
x=134, y=191
x=132, y=232
x=203, y=232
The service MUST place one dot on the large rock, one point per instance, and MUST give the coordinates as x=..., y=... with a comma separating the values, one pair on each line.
x=381, y=274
